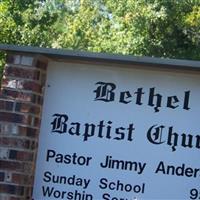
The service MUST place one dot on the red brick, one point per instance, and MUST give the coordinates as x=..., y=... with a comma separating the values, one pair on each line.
x=37, y=122
x=4, y=82
x=22, y=179
x=2, y=176
x=12, y=189
x=21, y=100
x=29, y=85
x=30, y=132
x=9, y=58
x=22, y=85
x=11, y=83
x=17, y=95
x=16, y=166
x=2, y=96
x=34, y=145
x=17, y=198
x=13, y=59
x=22, y=73
x=8, y=128
x=39, y=100
x=22, y=96
x=27, y=108
x=18, y=143
x=43, y=78
x=16, y=118
x=41, y=64
x=11, y=117
x=20, y=155
x=6, y=105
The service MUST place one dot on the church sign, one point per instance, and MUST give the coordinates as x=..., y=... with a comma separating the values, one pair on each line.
x=119, y=133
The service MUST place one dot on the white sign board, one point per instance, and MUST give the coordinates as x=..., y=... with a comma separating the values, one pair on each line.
x=113, y=133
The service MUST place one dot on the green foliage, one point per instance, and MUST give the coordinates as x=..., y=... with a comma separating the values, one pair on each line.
x=2, y=63
x=160, y=28
x=26, y=22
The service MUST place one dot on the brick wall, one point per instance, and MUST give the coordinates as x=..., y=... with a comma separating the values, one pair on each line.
x=21, y=100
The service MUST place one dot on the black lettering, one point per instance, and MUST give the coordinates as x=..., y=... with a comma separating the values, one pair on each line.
x=50, y=154
x=198, y=141
x=172, y=100
x=75, y=129
x=101, y=126
x=189, y=143
x=106, y=196
x=47, y=176
x=123, y=96
x=89, y=131
x=59, y=123
x=70, y=196
x=152, y=96
x=172, y=138
x=139, y=94
x=186, y=100
x=119, y=131
x=59, y=158
x=155, y=137
x=104, y=92
x=67, y=159
x=130, y=132
x=47, y=191
x=103, y=183
x=161, y=168
x=108, y=132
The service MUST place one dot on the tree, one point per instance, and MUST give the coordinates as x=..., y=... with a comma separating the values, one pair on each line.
x=152, y=28
x=26, y=22
x=160, y=28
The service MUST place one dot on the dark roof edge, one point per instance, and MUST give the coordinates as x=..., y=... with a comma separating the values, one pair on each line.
x=103, y=57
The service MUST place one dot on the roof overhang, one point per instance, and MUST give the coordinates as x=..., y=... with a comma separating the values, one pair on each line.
x=63, y=54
